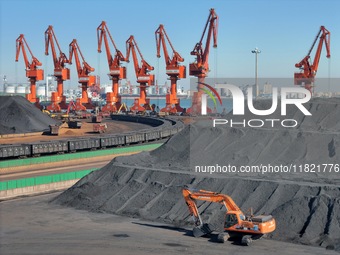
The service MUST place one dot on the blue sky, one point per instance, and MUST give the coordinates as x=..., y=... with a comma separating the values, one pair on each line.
x=283, y=30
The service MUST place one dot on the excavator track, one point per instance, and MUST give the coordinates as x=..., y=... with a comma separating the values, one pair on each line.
x=223, y=237
x=247, y=240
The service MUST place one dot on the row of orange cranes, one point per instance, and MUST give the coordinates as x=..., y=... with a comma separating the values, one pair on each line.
x=117, y=72
x=61, y=73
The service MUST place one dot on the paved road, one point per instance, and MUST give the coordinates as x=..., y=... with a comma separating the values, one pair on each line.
x=32, y=225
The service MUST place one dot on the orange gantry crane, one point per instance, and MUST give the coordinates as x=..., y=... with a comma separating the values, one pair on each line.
x=32, y=72
x=117, y=72
x=143, y=77
x=200, y=67
x=173, y=70
x=307, y=76
x=61, y=73
x=85, y=79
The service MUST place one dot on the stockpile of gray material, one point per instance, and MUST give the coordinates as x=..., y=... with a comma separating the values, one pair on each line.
x=304, y=213
x=18, y=115
x=301, y=155
x=302, y=152
x=305, y=205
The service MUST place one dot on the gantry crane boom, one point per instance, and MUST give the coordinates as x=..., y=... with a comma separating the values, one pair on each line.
x=117, y=72
x=200, y=67
x=307, y=76
x=142, y=73
x=32, y=71
x=140, y=70
x=60, y=71
x=85, y=79
x=173, y=69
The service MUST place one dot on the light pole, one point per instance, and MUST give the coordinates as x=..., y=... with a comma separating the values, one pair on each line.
x=256, y=51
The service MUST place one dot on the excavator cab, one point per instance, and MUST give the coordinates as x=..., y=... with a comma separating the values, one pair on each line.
x=230, y=220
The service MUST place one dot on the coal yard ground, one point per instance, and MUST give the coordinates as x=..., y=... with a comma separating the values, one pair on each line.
x=134, y=204
x=35, y=226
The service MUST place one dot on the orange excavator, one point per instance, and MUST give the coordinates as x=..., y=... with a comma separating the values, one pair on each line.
x=61, y=73
x=307, y=76
x=143, y=77
x=236, y=223
x=200, y=67
x=85, y=79
x=117, y=72
x=173, y=70
x=32, y=72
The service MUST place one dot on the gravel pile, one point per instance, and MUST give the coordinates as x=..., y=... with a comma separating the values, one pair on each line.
x=18, y=115
x=306, y=205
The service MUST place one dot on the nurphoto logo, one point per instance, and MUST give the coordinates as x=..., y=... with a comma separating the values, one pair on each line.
x=239, y=105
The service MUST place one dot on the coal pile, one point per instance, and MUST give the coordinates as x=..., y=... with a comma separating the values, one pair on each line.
x=18, y=115
x=306, y=205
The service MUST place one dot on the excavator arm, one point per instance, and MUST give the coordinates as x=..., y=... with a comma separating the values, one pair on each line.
x=192, y=195
x=209, y=196
x=191, y=203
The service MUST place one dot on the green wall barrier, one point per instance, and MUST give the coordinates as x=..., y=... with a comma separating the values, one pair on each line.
x=78, y=155
x=46, y=179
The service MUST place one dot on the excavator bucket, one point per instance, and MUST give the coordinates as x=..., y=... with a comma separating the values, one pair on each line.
x=203, y=230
